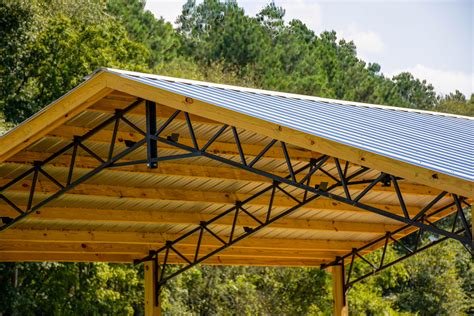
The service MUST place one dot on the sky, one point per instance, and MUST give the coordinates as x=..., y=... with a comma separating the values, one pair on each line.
x=432, y=39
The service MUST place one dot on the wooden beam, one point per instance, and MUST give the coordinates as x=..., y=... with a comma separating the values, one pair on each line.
x=143, y=250
x=100, y=190
x=110, y=103
x=340, y=307
x=405, y=170
x=54, y=115
x=152, y=298
x=60, y=257
x=194, y=218
x=124, y=258
x=98, y=236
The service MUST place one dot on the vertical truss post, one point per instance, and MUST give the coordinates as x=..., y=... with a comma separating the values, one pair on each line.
x=151, y=143
x=340, y=307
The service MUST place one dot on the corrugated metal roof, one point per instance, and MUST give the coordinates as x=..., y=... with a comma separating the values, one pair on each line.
x=436, y=141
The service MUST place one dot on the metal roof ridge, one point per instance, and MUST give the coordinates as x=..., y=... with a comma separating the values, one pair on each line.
x=275, y=93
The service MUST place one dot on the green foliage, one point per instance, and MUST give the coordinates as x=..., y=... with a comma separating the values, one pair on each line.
x=70, y=289
x=214, y=31
x=290, y=57
x=434, y=283
x=456, y=103
x=248, y=291
x=47, y=52
x=437, y=281
x=414, y=93
x=372, y=296
x=142, y=26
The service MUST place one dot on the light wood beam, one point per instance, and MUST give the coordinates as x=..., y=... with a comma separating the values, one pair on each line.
x=60, y=257
x=87, y=163
x=194, y=218
x=110, y=103
x=46, y=188
x=53, y=116
x=143, y=249
x=124, y=258
x=340, y=307
x=165, y=168
x=98, y=236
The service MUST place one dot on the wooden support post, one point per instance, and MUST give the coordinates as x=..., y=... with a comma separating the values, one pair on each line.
x=340, y=307
x=152, y=307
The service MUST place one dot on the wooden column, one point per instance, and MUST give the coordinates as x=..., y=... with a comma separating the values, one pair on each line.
x=340, y=307
x=152, y=308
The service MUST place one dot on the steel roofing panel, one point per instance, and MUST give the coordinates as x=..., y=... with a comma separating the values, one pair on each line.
x=439, y=142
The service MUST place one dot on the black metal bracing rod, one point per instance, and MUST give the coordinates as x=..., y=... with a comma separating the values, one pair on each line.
x=396, y=232
x=411, y=250
x=78, y=142
x=353, y=202
x=381, y=265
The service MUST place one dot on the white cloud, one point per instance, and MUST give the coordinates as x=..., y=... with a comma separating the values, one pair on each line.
x=368, y=43
x=444, y=81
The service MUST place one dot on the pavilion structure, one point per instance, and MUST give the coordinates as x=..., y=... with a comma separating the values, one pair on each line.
x=132, y=167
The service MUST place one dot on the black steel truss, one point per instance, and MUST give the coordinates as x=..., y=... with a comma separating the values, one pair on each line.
x=297, y=180
x=238, y=211
x=418, y=241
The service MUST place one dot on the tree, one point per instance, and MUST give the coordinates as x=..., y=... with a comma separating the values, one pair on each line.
x=214, y=31
x=61, y=288
x=414, y=93
x=156, y=34
x=55, y=51
x=456, y=103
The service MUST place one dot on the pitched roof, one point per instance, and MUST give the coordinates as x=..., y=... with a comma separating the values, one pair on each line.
x=436, y=141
